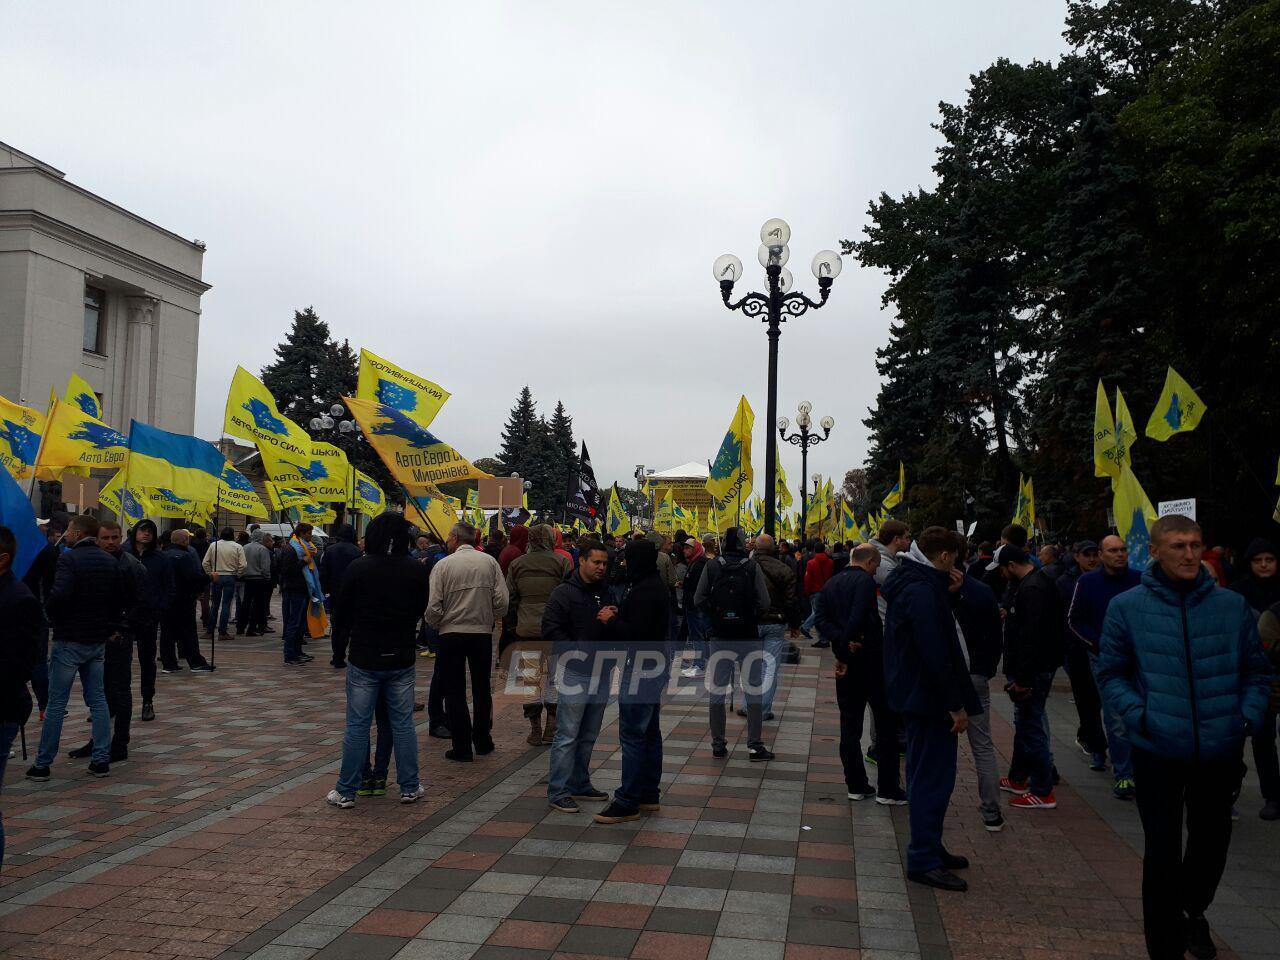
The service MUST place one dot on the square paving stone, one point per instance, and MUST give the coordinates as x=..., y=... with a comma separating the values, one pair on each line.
x=437, y=950
x=490, y=952
x=570, y=888
x=604, y=941
x=692, y=898
x=550, y=909
x=761, y=882
x=887, y=938
x=493, y=882
x=750, y=926
x=362, y=946
x=429, y=899
x=661, y=855
x=517, y=863
x=460, y=928
x=481, y=904
x=582, y=869
x=701, y=877
x=726, y=948
x=442, y=878
x=765, y=904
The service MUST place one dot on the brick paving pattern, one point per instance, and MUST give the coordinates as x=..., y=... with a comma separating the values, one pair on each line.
x=213, y=840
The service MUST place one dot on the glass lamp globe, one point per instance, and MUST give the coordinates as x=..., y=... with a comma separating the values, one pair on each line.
x=775, y=233
x=783, y=423
x=827, y=263
x=767, y=255
x=805, y=406
x=817, y=479
x=337, y=410
x=802, y=420
x=785, y=280
x=346, y=426
x=827, y=422
x=316, y=423
x=515, y=474
x=327, y=422
x=727, y=267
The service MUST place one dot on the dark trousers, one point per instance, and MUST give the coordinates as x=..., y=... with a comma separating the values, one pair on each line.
x=1084, y=691
x=145, y=636
x=931, y=776
x=860, y=687
x=1032, y=752
x=178, y=636
x=117, y=679
x=435, y=695
x=640, y=736
x=1265, y=760
x=1178, y=881
x=293, y=609
x=253, y=611
x=458, y=652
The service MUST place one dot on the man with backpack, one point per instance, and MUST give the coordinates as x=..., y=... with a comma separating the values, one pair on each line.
x=733, y=593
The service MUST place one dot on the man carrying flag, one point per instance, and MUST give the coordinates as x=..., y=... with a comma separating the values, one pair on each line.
x=301, y=596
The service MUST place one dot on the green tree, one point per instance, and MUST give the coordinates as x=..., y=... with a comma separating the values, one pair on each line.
x=517, y=433
x=564, y=448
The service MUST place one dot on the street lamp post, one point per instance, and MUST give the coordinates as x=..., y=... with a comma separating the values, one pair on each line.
x=774, y=308
x=804, y=440
x=328, y=420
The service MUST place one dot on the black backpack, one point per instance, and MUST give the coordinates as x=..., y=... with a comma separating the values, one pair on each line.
x=732, y=600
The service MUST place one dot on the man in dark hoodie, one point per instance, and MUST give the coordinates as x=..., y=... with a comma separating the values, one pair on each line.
x=380, y=598
x=20, y=643
x=157, y=596
x=337, y=556
x=1261, y=584
x=734, y=594
x=927, y=683
x=515, y=547
x=639, y=628
x=572, y=627
x=178, y=625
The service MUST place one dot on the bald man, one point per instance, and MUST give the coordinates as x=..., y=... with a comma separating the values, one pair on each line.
x=1093, y=595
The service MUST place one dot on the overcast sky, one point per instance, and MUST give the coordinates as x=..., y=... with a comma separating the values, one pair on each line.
x=498, y=194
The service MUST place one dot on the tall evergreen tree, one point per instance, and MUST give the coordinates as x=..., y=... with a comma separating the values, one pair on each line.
x=564, y=447
x=517, y=433
x=292, y=376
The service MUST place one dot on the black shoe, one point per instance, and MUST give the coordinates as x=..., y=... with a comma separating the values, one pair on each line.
x=305, y=657
x=458, y=757
x=720, y=752
x=768, y=716
x=440, y=732
x=484, y=749
x=81, y=753
x=294, y=662
x=253, y=633
x=760, y=753
x=148, y=711
x=892, y=798
x=863, y=792
x=266, y=630
x=616, y=813
x=994, y=824
x=591, y=794
x=419, y=707
x=941, y=879
x=953, y=861
x=203, y=668
x=741, y=711
x=38, y=774
x=174, y=669
x=119, y=755
x=820, y=644
x=100, y=769
x=1199, y=942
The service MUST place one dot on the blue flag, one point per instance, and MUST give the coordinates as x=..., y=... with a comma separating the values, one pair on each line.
x=17, y=515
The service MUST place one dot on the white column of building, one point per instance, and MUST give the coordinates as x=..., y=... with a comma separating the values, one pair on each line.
x=139, y=367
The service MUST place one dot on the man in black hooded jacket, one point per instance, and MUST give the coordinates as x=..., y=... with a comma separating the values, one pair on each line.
x=158, y=591
x=639, y=628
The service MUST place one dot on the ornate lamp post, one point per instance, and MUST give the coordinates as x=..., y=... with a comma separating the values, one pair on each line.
x=804, y=440
x=348, y=435
x=774, y=308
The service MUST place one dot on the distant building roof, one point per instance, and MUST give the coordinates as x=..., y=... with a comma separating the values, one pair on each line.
x=686, y=471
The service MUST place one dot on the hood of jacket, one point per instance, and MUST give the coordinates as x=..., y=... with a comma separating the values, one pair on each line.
x=909, y=572
x=387, y=533
x=734, y=543
x=642, y=559
x=345, y=533
x=1257, y=546
x=542, y=538
x=133, y=536
x=519, y=537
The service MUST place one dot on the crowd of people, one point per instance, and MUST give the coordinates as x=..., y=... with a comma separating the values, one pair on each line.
x=1170, y=672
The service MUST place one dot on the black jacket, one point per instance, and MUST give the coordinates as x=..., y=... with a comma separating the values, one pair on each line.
x=39, y=576
x=691, y=578
x=924, y=668
x=1033, y=636
x=159, y=587
x=334, y=562
x=20, y=642
x=292, y=578
x=780, y=578
x=90, y=595
x=379, y=601
x=644, y=616
x=189, y=578
x=979, y=617
x=569, y=624
x=849, y=614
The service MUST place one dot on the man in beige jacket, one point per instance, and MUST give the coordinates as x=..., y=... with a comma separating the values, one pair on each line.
x=224, y=562
x=468, y=595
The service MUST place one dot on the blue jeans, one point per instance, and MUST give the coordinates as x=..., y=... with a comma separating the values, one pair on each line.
x=363, y=690
x=69, y=659
x=815, y=604
x=774, y=636
x=578, y=720
x=644, y=677
x=222, y=594
x=8, y=733
x=1117, y=736
x=1032, y=755
x=293, y=609
x=697, y=623
x=377, y=769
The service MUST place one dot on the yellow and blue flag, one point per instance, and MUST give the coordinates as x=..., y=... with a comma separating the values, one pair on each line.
x=74, y=438
x=189, y=467
x=730, y=477
x=1178, y=410
x=664, y=519
x=251, y=414
x=81, y=395
x=20, y=431
x=1134, y=515
x=848, y=523
x=236, y=493
x=330, y=473
x=164, y=502
x=616, y=521
x=411, y=452
x=286, y=498
x=381, y=381
x=429, y=511
x=129, y=505
x=898, y=490
x=1105, y=463
x=366, y=496
x=782, y=493
x=316, y=514
x=1126, y=430
x=1024, y=510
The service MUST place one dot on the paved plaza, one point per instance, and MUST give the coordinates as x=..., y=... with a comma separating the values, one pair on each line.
x=213, y=840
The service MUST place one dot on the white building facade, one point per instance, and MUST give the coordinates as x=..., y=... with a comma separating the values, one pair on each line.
x=87, y=287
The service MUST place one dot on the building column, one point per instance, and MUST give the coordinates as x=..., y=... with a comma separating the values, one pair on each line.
x=139, y=365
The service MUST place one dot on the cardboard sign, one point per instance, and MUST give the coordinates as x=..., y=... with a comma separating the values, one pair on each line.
x=1180, y=508
x=81, y=491
x=500, y=492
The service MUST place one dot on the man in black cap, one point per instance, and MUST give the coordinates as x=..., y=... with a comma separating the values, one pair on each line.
x=1033, y=644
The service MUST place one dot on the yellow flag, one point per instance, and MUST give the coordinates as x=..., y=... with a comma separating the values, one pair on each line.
x=1178, y=410
x=285, y=498
x=82, y=396
x=896, y=492
x=848, y=523
x=427, y=509
x=730, y=477
x=1104, y=437
x=316, y=514
x=1024, y=511
x=129, y=505
x=382, y=382
x=330, y=473
x=664, y=520
x=473, y=498
x=783, y=492
x=1126, y=430
x=366, y=495
x=251, y=414
x=20, y=431
x=1134, y=515
x=236, y=493
x=616, y=521
x=412, y=454
x=74, y=438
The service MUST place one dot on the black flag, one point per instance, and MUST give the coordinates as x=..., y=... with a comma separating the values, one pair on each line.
x=582, y=499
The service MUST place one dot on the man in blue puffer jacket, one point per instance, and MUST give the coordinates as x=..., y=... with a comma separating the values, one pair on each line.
x=1181, y=663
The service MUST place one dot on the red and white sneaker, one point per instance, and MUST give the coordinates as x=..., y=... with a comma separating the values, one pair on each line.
x=1017, y=787
x=1029, y=801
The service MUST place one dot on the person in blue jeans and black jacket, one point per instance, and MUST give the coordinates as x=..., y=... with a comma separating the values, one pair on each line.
x=1181, y=664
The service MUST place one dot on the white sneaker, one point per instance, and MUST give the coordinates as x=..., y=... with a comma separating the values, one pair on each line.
x=415, y=796
x=338, y=800
x=690, y=673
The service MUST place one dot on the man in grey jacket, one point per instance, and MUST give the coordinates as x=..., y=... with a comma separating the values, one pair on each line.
x=252, y=621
